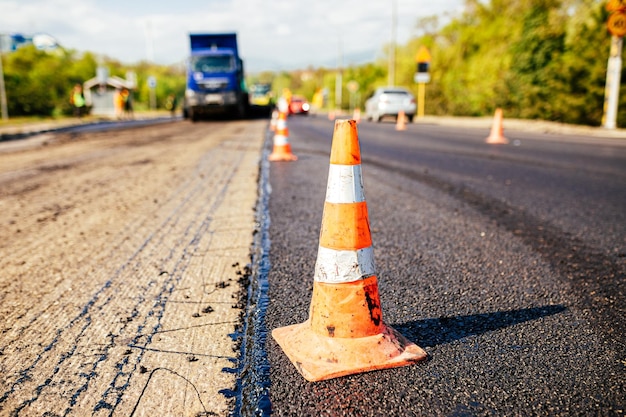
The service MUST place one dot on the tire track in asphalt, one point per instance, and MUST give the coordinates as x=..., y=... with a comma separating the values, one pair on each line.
x=169, y=222
x=42, y=246
x=26, y=374
x=167, y=287
x=148, y=249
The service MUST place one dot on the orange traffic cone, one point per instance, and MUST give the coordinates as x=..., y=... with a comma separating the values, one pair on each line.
x=273, y=120
x=497, y=136
x=356, y=115
x=345, y=332
x=282, y=148
x=400, y=122
x=331, y=115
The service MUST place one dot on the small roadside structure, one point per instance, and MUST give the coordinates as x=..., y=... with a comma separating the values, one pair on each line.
x=100, y=92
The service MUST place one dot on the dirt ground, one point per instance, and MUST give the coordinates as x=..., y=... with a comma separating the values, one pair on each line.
x=122, y=258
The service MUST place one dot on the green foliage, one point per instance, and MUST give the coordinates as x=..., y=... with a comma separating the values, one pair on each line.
x=535, y=74
x=30, y=82
x=543, y=59
x=170, y=80
x=368, y=77
x=585, y=65
x=39, y=83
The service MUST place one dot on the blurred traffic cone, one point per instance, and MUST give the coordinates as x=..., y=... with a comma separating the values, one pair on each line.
x=331, y=115
x=356, y=115
x=497, y=136
x=282, y=148
x=400, y=122
x=345, y=333
x=273, y=120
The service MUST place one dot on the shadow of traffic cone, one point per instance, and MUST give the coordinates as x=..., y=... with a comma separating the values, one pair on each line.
x=345, y=332
x=496, y=136
x=356, y=115
x=400, y=121
x=282, y=148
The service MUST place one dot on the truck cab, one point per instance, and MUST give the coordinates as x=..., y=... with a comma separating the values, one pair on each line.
x=215, y=78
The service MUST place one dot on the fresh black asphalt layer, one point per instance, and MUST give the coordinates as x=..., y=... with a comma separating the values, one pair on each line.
x=519, y=315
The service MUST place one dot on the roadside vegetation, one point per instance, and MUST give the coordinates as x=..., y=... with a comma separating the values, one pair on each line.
x=39, y=83
x=535, y=59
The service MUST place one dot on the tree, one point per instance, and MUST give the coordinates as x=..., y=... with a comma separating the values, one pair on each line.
x=28, y=75
x=536, y=76
x=585, y=65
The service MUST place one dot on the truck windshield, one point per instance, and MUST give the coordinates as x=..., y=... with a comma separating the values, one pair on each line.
x=215, y=63
x=260, y=89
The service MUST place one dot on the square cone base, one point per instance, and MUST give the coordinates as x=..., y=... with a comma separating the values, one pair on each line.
x=318, y=357
x=275, y=157
x=282, y=153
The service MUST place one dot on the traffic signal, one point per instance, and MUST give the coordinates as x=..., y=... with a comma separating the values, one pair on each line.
x=423, y=66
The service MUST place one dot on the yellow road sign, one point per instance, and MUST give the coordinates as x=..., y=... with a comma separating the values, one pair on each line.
x=423, y=55
x=617, y=23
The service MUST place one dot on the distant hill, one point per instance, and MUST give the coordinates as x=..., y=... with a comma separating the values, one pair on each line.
x=255, y=64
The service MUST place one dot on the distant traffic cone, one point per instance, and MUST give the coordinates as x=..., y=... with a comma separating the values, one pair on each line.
x=282, y=148
x=331, y=115
x=345, y=332
x=356, y=115
x=497, y=137
x=273, y=120
x=400, y=122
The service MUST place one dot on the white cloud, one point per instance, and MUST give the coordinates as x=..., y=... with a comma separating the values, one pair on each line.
x=273, y=34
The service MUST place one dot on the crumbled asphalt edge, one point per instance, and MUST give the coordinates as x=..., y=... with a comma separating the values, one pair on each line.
x=104, y=125
x=252, y=396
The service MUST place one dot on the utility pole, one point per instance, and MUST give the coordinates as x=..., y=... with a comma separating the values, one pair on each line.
x=339, y=77
x=422, y=76
x=392, y=51
x=611, y=92
x=616, y=24
x=3, y=95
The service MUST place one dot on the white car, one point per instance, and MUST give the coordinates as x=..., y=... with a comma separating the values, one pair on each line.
x=389, y=101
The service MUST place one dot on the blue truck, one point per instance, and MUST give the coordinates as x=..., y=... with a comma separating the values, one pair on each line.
x=215, y=77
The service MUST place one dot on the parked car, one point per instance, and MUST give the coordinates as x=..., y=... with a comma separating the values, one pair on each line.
x=389, y=101
x=299, y=105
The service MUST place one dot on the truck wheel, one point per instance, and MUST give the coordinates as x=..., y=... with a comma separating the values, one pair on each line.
x=193, y=115
x=241, y=111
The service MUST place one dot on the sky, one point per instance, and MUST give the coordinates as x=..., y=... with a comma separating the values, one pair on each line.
x=273, y=35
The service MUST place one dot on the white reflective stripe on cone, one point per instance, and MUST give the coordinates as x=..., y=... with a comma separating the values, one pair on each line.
x=280, y=140
x=345, y=184
x=340, y=266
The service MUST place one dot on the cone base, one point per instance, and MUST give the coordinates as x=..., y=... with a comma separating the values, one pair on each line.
x=274, y=156
x=319, y=357
x=497, y=140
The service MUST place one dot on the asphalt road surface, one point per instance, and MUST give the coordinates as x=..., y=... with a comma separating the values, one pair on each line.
x=506, y=263
x=124, y=263
x=126, y=258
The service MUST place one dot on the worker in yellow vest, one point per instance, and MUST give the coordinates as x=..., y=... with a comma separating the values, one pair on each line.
x=78, y=100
